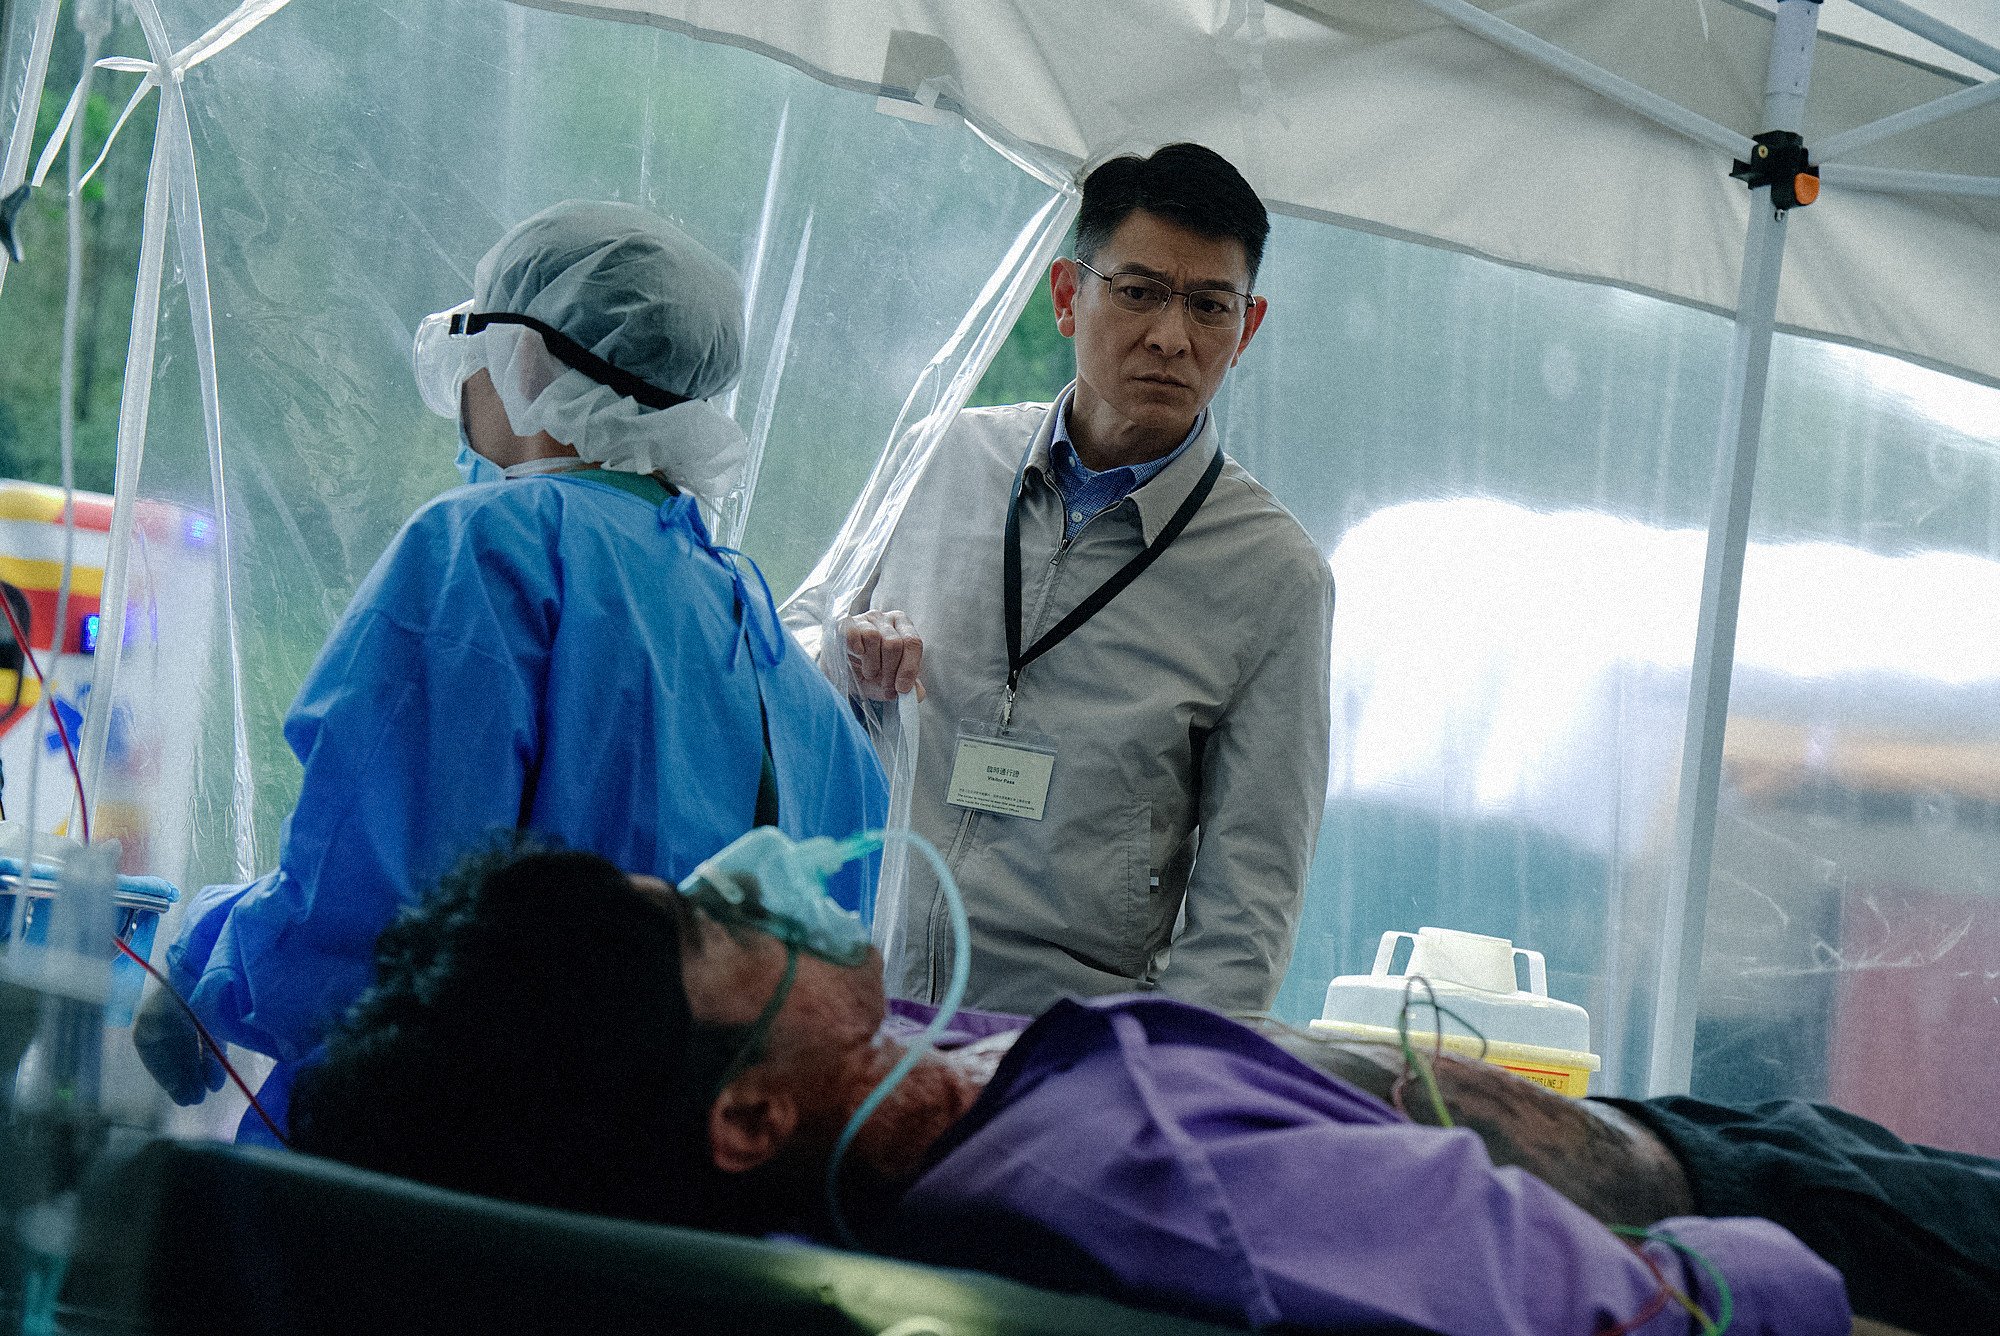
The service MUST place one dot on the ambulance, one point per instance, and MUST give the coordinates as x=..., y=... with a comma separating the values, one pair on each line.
x=143, y=794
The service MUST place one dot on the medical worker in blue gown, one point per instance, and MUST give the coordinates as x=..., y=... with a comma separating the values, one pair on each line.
x=559, y=647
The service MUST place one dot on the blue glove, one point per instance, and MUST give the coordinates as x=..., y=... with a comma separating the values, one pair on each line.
x=172, y=1050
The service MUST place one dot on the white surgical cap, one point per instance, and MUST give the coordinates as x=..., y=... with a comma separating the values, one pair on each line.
x=639, y=293
x=629, y=286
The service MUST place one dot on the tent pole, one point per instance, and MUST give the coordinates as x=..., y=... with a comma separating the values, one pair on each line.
x=1670, y=1061
x=1965, y=99
x=1896, y=180
x=1935, y=32
x=1605, y=84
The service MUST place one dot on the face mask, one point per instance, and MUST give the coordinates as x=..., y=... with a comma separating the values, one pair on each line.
x=694, y=444
x=473, y=466
x=530, y=468
x=767, y=881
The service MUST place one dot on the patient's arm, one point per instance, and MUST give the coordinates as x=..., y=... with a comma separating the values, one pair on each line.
x=1598, y=1157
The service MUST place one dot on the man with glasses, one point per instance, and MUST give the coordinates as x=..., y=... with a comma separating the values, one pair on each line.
x=1120, y=638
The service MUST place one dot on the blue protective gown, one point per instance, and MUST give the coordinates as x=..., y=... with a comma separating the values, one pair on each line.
x=569, y=654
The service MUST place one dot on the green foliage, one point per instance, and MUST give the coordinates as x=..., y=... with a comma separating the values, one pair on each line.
x=31, y=304
x=1033, y=364
x=98, y=118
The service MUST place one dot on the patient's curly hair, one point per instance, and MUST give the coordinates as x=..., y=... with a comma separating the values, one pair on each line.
x=528, y=1037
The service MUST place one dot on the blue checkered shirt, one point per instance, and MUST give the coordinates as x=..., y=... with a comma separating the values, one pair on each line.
x=1086, y=495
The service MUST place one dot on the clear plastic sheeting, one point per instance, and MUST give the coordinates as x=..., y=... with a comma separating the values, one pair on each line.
x=1510, y=476
x=1510, y=473
x=355, y=163
x=26, y=37
x=833, y=588
x=1467, y=443
x=1852, y=947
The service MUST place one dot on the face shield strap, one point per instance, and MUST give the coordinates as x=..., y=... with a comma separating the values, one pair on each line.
x=572, y=355
x=760, y=1029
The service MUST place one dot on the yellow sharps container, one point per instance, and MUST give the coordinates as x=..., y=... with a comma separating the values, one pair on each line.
x=1531, y=1034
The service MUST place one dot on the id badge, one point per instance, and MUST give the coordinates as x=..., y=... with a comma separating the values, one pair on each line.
x=1006, y=775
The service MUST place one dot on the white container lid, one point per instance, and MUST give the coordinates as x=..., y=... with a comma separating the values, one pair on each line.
x=1472, y=975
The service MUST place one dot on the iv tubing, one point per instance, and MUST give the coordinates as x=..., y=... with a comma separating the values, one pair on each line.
x=961, y=967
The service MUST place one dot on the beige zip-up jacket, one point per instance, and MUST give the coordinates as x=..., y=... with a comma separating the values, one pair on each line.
x=1190, y=719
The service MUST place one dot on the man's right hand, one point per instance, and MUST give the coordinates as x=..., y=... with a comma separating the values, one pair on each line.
x=172, y=1050
x=884, y=654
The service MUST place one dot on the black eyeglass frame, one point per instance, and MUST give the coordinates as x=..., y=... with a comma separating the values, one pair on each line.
x=1187, y=298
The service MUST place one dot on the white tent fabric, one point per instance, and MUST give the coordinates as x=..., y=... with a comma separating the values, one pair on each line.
x=1385, y=115
x=1977, y=19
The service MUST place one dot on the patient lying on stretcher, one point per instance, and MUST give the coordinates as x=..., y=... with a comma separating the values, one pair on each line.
x=550, y=1030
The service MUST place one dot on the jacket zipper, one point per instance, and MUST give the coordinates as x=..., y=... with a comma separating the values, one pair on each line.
x=932, y=931
x=932, y=927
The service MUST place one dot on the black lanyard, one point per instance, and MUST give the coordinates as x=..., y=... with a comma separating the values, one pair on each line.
x=1104, y=593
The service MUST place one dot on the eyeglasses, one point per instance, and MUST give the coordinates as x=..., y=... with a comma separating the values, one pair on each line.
x=1217, y=308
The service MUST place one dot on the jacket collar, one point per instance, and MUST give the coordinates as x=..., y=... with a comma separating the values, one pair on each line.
x=1159, y=496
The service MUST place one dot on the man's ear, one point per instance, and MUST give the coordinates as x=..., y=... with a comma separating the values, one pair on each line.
x=1062, y=292
x=749, y=1123
x=1252, y=318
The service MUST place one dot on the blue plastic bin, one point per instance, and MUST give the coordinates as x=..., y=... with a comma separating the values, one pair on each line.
x=140, y=901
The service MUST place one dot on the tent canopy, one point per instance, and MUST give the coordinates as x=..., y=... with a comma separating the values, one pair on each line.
x=1383, y=114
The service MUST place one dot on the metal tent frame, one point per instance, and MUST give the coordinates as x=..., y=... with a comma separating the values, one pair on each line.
x=1740, y=426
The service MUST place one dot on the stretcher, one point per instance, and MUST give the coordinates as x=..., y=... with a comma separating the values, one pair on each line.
x=221, y=1240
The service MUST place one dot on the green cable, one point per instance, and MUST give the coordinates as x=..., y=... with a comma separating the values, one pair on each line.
x=1415, y=1062
x=1726, y=1302
x=1412, y=1059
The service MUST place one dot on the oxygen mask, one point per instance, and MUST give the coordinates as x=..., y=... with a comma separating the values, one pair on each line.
x=776, y=885
x=773, y=884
